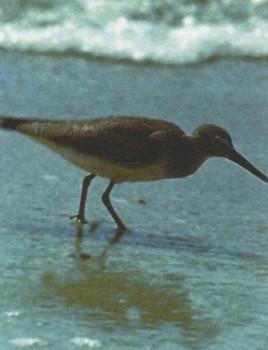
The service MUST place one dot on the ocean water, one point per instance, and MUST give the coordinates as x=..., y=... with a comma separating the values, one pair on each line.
x=192, y=273
x=165, y=32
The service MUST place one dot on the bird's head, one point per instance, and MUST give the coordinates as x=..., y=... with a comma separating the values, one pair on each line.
x=216, y=142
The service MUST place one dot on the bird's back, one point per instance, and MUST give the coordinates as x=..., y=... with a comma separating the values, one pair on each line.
x=125, y=140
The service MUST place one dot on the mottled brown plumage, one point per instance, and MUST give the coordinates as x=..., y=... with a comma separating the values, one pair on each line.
x=129, y=149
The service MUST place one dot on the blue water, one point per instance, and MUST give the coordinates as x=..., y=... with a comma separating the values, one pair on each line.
x=192, y=273
x=166, y=32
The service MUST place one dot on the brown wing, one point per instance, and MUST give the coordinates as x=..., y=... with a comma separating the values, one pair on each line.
x=123, y=140
x=126, y=140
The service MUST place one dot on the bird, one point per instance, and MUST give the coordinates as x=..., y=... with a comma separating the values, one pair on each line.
x=129, y=149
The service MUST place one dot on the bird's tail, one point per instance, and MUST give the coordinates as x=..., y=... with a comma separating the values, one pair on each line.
x=11, y=123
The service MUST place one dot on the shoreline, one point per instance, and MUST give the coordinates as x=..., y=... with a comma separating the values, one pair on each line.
x=71, y=54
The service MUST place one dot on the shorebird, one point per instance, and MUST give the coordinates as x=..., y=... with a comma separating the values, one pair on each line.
x=129, y=149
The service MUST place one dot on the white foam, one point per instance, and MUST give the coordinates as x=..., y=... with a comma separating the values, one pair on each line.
x=83, y=341
x=49, y=177
x=12, y=314
x=135, y=32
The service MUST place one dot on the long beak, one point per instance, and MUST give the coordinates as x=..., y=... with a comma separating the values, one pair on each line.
x=243, y=162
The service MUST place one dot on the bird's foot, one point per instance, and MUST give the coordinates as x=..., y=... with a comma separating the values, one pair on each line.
x=120, y=231
x=80, y=220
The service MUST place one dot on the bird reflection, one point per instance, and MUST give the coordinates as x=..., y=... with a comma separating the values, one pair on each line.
x=111, y=291
x=80, y=236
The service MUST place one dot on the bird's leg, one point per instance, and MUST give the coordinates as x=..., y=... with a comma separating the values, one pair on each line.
x=81, y=213
x=106, y=201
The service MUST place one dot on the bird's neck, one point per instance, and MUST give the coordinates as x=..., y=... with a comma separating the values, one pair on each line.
x=188, y=157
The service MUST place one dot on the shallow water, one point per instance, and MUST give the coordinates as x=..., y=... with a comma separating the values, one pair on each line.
x=191, y=273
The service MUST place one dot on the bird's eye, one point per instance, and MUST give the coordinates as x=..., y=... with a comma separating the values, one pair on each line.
x=217, y=141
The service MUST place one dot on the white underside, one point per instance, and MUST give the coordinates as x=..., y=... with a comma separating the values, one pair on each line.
x=105, y=168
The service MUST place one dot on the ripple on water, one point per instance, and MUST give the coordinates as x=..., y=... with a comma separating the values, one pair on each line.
x=27, y=342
